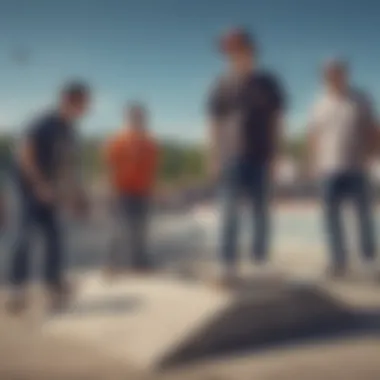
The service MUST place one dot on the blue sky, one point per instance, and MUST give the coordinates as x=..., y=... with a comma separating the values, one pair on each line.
x=162, y=52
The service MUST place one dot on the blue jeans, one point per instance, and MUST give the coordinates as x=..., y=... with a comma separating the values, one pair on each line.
x=129, y=246
x=242, y=178
x=352, y=186
x=45, y=218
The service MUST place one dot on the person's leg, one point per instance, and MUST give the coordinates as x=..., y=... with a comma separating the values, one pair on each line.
x=20, y=268
x=20, y=257
x=258, y=193
x=362, y=203
x=50, y=227
x=230, y=199
x=114, y=257
x=333, y=194
x=138, y=223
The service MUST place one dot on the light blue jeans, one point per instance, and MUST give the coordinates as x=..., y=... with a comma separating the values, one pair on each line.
x=241, y=178
x=337, y=188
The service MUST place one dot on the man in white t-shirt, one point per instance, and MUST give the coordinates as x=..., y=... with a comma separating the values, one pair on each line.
x=342, y=133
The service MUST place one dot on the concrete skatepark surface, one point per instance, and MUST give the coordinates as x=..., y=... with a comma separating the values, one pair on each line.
x=39, y=345
x=31, y=346
x=154, y=322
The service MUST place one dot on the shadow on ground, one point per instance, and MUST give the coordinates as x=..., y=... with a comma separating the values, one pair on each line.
x=294, y=317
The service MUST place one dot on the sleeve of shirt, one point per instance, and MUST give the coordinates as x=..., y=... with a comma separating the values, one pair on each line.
x=37, y=132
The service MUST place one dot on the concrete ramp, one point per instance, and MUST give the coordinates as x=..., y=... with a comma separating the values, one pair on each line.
x=155, y=322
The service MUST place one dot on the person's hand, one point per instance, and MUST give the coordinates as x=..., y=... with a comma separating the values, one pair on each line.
x=45, y=193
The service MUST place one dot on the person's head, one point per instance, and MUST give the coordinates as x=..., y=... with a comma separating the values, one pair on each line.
x=336, y=75
x=136, y=116
x=239, y=48
x=74, y=100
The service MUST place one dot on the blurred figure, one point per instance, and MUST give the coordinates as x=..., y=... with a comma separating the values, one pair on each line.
x=245, y=107
x=131, y=157
x=342, y=136
x=46, y=155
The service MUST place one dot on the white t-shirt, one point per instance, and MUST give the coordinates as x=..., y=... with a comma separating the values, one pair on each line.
x=341, y=126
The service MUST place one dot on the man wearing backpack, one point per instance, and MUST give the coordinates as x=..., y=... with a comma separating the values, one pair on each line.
x=131, y=158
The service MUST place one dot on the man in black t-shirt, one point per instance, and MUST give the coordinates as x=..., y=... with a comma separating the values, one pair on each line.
x=245, y=108
x=44, y=162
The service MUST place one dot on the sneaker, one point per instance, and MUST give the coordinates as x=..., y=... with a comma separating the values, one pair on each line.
x=140, y=272
x=227, y=279
x=59, y=296
x=336, y=272
x=112, y=273
x=17, y=302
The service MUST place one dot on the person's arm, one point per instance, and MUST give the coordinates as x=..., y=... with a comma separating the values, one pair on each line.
x=278, y=104
x=312, y=136
x=214, y=147
x=73, y=177
x=372, y=130
x=216, y=111
x=28, y=164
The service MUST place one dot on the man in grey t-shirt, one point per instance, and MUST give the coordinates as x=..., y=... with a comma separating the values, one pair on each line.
x=342, y=130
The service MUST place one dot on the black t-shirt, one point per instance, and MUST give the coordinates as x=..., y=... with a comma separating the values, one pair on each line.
x=52, y=137
x=246, y=109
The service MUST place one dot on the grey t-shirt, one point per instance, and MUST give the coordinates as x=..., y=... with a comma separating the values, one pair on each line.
x=342, y=127
x=245, y=109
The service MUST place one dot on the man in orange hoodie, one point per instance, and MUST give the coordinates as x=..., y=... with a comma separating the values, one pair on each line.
x=131, y=157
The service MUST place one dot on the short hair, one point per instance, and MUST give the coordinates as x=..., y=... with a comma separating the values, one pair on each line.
x=237, y=37
x=135, y=107
x=75, y=91
x=335, y=63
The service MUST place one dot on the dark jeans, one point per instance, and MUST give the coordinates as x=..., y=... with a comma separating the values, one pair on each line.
x=355, y=187
x=129, y=245
x=242, y=178
x=35, y=214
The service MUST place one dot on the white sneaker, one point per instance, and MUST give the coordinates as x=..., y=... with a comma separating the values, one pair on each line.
x=226, y=278
x=17, y=301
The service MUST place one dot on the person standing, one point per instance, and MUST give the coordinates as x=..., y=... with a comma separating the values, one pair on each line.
x=342, y=138
x=245, y=107
x=46, y=159
x=131, y=160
